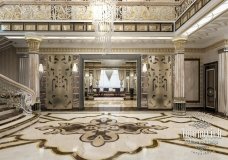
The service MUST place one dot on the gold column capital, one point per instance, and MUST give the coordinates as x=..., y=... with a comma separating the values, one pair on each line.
x=33, y=43
x=179, y=44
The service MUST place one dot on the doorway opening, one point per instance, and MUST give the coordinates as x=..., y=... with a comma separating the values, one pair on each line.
x=211, y=86
x=110, y=81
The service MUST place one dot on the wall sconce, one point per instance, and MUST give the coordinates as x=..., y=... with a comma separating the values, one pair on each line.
x=144, y=68
x=75, y=68
x=41, y=68
x=131, y=73
x=86, y=73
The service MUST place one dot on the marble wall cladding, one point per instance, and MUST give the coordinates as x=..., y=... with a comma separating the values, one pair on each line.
x=192, y=81
x=60, y=86
x=201, y=79
x=9, y=63
x=158, y=82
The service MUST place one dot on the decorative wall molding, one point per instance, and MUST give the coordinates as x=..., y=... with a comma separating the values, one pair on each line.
x=156, y=51
x=99, y=50
x=52, y=11
x=83, y=26
x=86, y=2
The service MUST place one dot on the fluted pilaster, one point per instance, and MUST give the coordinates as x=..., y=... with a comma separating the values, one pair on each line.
x=33, y=43
x=223, y=81
x=179, y=97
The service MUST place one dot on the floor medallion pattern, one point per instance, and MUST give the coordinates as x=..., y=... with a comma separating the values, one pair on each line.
x=101, y=131
x=114, y=136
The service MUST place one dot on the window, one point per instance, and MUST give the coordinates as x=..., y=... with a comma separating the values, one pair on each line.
x=114, y=81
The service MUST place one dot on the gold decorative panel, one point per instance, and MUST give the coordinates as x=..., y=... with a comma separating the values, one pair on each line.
x=59, y=94
x=154, y=27
x=159, y=82
x=118, y=27
x=42, y=27
x=129, y=27
x=30, y=27
x=55, y=27
x=17, y=27
x=80, y=27
x=142, y=27
x=67, y=27
x=166, y=28
x=78, y=12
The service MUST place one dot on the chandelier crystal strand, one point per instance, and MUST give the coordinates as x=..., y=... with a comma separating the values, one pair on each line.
x=104, y=14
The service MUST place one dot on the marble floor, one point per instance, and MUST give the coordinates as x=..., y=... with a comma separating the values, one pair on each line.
x=110, y=102
x=120, y=136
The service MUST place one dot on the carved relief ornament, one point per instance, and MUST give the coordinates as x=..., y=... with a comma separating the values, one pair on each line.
x=179, y=44
x=33, y=44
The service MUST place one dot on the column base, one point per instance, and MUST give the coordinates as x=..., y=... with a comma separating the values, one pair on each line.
x=179, y=108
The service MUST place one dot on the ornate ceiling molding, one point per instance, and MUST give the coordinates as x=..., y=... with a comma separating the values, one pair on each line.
x=86, y=2
x=217, y=45
x=99, y=50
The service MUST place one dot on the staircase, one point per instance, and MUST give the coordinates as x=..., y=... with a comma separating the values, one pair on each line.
x=15, y=107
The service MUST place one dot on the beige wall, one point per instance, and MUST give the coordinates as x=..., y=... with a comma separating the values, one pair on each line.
x=195, y=56
x=9, y=63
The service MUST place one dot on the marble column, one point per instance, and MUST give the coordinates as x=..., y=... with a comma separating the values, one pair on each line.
x=223, y=81
x=23, y=69
x=179, y=97
x=33, y=43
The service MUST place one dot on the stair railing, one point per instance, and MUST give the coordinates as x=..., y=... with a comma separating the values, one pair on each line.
x=16, y=95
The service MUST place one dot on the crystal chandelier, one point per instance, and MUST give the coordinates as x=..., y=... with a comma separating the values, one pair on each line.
x=104, y=13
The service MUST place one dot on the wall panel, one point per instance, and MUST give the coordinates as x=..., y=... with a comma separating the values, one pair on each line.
x=9, y=63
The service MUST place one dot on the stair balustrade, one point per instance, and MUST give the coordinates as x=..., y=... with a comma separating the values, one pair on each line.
x=16, y=95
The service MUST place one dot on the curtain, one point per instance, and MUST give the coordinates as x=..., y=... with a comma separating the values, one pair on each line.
x=121, y=76
x=97, y=75
x=109, y=74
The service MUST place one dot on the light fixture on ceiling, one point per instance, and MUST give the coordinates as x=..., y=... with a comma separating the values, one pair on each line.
x=75, y=68
x=104, y=13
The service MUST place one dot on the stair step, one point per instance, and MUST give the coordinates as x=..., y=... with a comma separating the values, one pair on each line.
x=7, y=118
x=6, y=110
x=17, y=125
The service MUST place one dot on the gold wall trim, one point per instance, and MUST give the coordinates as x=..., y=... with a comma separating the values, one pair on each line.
x=157, y=51
x=86, y=3
x=99, y=50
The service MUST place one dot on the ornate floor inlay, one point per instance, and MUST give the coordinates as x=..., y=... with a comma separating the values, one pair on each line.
x=100, y=131
x=120, y=136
